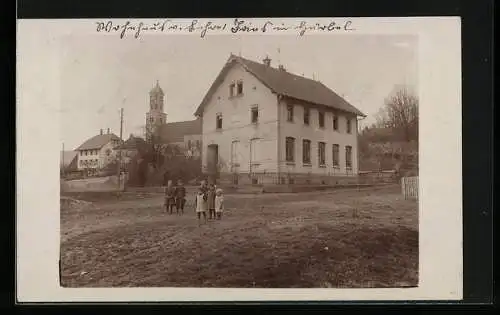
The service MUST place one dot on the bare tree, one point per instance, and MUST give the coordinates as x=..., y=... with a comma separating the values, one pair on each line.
x=400, y=113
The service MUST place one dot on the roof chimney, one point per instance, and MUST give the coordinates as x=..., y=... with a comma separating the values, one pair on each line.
x=267, y=61
x=101, y=131
x=108, y=131
x=281, y=67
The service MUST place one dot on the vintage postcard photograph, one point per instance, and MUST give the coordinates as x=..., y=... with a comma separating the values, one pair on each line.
x=239, y=159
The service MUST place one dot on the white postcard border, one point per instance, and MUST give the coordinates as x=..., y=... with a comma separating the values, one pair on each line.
x=38, y=155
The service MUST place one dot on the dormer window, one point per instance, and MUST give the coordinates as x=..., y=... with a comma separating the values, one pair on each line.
x=239, y=89
x=231, y=89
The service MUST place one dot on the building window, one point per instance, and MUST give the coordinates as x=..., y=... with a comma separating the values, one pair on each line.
x=321, y=118
x=255, y=151
x=231, y=90
x=255, y=114
x=306, y=151
x=189, y=144
x=239, y=89
x=335, y=155
x=290, y=149
x=306, y=115
x=349, y=125
x=348, y=156
x=321, y=154
x=289, y=113
x=235, y=153
x=219, y=121
x=335, y=122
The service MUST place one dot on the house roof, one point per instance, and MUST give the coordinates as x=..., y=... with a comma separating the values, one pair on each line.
x=98, y=141
x=175, y=131
x=284, y=83
x=73, y=164
x=67, y=157
x=132, y=143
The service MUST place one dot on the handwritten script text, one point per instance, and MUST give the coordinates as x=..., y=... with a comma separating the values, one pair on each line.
x=238, y=26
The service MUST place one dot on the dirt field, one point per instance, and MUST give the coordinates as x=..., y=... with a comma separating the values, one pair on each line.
x=350, y=238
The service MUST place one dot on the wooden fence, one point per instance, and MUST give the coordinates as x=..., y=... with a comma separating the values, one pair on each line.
x=409, y=187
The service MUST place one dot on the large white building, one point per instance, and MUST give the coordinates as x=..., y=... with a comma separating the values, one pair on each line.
x=264, y=124
x=98, y=151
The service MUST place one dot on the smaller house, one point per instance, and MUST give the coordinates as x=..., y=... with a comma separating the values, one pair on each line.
x=130, y=148
x=186, y=135
x=97, y=152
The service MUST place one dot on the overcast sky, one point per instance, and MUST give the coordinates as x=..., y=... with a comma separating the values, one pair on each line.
x=101, y=74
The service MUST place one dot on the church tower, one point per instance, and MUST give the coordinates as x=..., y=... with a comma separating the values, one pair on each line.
x=155, y=116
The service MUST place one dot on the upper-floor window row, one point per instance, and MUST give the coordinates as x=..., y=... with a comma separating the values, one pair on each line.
x=349, y=126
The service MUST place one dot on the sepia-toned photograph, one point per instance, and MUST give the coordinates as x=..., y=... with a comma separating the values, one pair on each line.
x=239, y=161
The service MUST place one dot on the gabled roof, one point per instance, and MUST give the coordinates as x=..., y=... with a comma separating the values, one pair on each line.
x=284, y=83
x=132, y=143
x=98, y=141
x=67, y=157
x=73, y=164
x=175, y=131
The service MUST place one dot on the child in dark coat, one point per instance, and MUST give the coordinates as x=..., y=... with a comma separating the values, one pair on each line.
x=169, y=197
x=180, y=197
x=211, y=201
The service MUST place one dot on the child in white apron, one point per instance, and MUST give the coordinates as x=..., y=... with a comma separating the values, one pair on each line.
x=219, y=203
x=201, y=205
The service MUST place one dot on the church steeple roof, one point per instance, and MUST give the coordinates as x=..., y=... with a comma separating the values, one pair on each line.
x=157, y=89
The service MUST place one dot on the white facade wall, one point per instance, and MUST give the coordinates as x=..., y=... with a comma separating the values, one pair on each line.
x=237, y=125
x=238, y=155
x=96, y=158
x=300, y=131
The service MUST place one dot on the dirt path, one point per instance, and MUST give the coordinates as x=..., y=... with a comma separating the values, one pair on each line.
x=279, y=240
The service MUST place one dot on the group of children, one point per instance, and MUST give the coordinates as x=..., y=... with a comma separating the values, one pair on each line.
x=175, y=197
x=208, y=198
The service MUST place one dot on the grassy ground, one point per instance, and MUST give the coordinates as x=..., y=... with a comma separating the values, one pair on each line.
x=350, y=238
